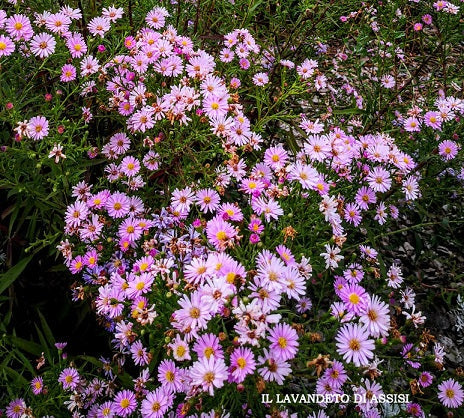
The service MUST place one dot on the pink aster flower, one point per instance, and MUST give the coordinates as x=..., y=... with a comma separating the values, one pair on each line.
x=156, y=403
x=130, y=166
x=376, y=317
x=68, y=73
x=379, y=179
x=76, y=45
x=450, y=393
x=352, y=214
x=69, y=378
x=260, y=79
x=273, y=369
x=7, y=46
x=220, y=233
x=37, y=128
x=43, y=45
x=242, y=363
x=170, y=376
x=113, y=13
x=411, y=124
x=19, y=27
x=448, y=149
x=230, y=211
x=156, y=18
x=433, y=120
x=208, y=374
x=275, y=157
x=207, y=199
x=335, y=375
x=425, y=379
x=208, y=345
x=99, y=26
x=284, y=342
x=16, y=408
x=364, y=197
x=118, y=205
x=125, y=403
x=354, y=344
x=37, y=385
x=58, y=23
x=354, y=297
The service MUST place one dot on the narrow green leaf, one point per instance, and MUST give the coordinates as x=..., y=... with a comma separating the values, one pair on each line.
x=46, y=330
x=7, y=278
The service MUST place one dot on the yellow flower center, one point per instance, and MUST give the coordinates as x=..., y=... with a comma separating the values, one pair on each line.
x=241, y=362
x=354, y=298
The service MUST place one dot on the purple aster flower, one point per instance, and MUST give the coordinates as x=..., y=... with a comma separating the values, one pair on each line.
x=354, y=344
x=242, y=363
x=284, y=341
x=208, y=374
x=69, y=378
x=125, y=403
x=156, y=403
x=450, y=393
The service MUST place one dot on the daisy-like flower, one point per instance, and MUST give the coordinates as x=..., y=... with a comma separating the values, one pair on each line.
x=209, y=374
x=215, y=106
x=220, y=233
x=387, y=81
x=7, y=46
x=37, y=128
x=76, y=45
x=450, y=393
x=16, y=408
x=43, y=45
x=364, y=197
x=113, y=13
x=99, y=26
x=181, y=200
x=354, y=344
x=260, y=79
x=411, y=188
x=354, y=297
x=130, y=166
x=275, y=157
x=394, y=276
x=19, y=27
x=376, y=317
x=306, y=69
x=180, y=349
x=273, y=369
x=304, y=305
x=412, y=124
x=139, y=354
x=207, y=199
x=57, y=153
x=156, y=403
x=118, y=205
x=433, y=120
x=352, y=214
x=169, y=376
x=156, y=18
x=425, y=379
x=379, y=179
x=125, y=403
x=242, y=363
x=68, y=73
x=448, y=149
x=69, y=378
x=58, y=23
x=284, y=342
x=106, y=410
x=37, y=385
x=332, y=256
x=336, y=375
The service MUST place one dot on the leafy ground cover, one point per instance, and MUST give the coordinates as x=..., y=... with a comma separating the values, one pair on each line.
x=209, y=205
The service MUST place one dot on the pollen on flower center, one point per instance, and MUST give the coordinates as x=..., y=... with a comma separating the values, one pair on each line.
x=221, y=235
x=282, y=342
x=195, y=313
x=241, y=362
x=354, y=298
x=209, y=377
x=354, y=344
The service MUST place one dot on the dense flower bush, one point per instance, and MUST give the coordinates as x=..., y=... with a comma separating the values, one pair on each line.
x=226, y=204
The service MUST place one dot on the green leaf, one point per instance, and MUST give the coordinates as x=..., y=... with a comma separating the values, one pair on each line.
x=25, y=345
x=46, y=330
x=7, y=278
